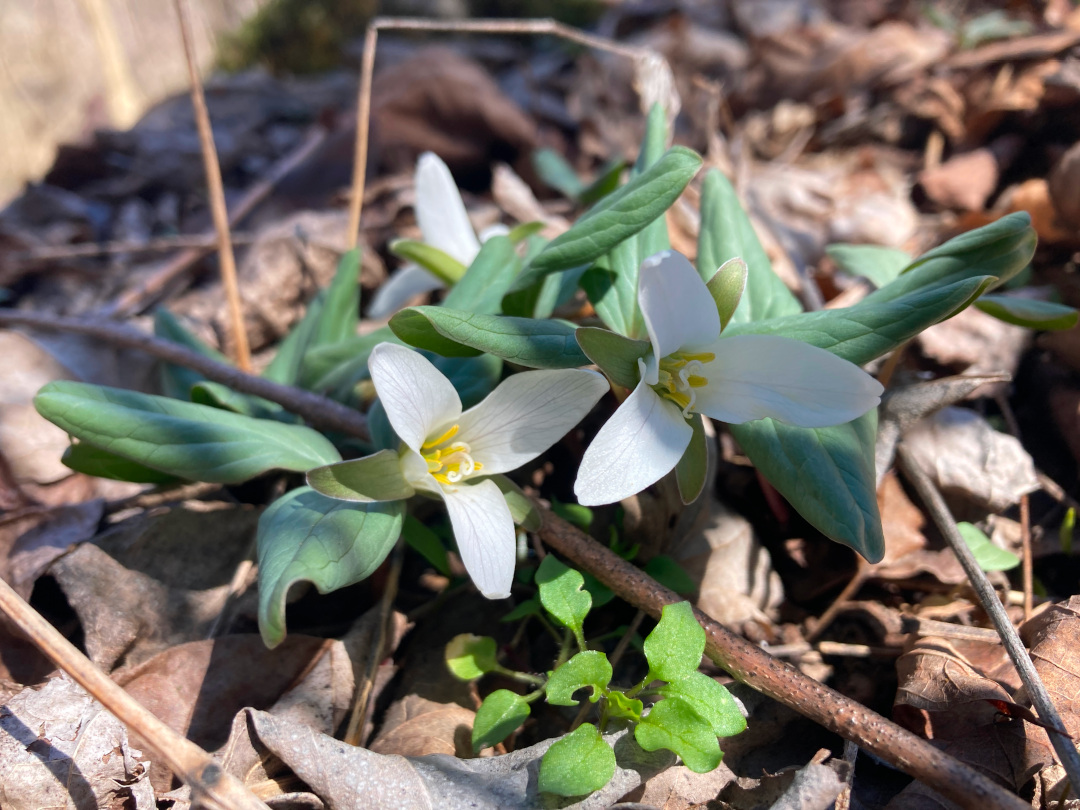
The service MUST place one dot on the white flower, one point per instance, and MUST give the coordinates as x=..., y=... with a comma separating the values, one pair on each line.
x=447, y=453
x=691, y=369
x=444, y=223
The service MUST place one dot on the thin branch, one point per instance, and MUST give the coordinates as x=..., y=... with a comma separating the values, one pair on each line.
x=210, y=784
x=1040, y=699
x=756, y=668
x=358, y=716
x=217, y=195
x=363, y=120
x=83, y=250
x=319, y=411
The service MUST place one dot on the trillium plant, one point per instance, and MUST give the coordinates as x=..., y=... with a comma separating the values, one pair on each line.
x=462, y=393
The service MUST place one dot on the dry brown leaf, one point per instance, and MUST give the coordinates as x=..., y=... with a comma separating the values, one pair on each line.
x=196, y=688
x=679, y=788
x=416, y=727
x=967, y=180
x=1034, y=197
x=901, y=522
x=976, y=343
x=61, y=528
x=60, y=748
x=443, y=102
x=737, y=580
x=959, y=450
x=1062, y=183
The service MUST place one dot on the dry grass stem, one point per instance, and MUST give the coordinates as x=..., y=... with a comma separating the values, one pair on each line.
x=216, y=191
x=210, y=784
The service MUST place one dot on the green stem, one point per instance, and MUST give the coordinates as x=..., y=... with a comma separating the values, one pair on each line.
x=524, y=677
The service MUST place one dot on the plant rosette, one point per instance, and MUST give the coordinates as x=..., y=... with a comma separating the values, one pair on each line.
x=451, y=454
x=689, y=368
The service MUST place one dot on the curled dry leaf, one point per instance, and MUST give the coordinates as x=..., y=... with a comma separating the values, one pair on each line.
x=338, y=773
x=60, y=748
x=196, y=688
x=976, y=343
x=679, y=788
x=415, y=726
x=964, y=455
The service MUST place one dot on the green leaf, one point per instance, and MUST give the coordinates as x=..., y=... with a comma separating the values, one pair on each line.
x=710, y=700
x=987, y=555
x=869, y=329
x=487, y=280
x=1066, y=529
x=726, y=233
x=580, y=516
x=616, y=355
x=579, y=763
x=437, y=262
x=519, y=233
x=338, y=366
x=619, y=705
x=674, y=647
x=881, y=265
x=1028, y=312
x=675, y=725
x=330, y=543
x=468, y=657
x=826, y=474
x=654, y=237
x=692, y=468
x=501, y=712
x=726, y=287
x=522, y=509
x=287, y=365
x=524, y=341
x=376, y=477
x=176, y=381
x=554, y=171
x=588, y=668
x=221, y=396
x=670, y=574
x=341, y=308
x=622, y=214
x=186, y=440
x=607, y=180
x=427, y=544
x=91, y=460
x=530, y=607
x=561, y=594
x=1001, y=249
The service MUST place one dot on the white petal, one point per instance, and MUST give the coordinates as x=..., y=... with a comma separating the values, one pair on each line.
x=417, y=397
x=484, y=531
x=404, y=285
x=639, y=445
x=754, y=376
x=678, y=309
x=497, y=229
x=527, y=414
x=440, y=212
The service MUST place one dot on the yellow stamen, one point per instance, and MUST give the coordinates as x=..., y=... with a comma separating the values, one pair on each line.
x=451, y=433
x=679, y=374
x=448, y=463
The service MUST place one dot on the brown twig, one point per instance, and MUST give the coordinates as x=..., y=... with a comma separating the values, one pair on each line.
x=862, y=573
x=782, y=682
x=481, y=26
x=354, y=734
x=319, y=411
x=84, y=250
x=216, y=193
x=210, y=785
x=1040, y=698
x=138, y=298
x=1027, y=574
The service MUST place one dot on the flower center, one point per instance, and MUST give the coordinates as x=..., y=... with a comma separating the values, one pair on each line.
x=680, y=374
x=448, y=461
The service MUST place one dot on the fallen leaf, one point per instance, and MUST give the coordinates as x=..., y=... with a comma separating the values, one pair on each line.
x=966, y=181
x=975, y=342
x=60, y=748
x=962, y=454
x=415, y=726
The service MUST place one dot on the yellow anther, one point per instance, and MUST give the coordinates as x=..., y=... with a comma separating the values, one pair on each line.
x=696, y=381
x=449, y=463
x=451, y=433
x=679, y=374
